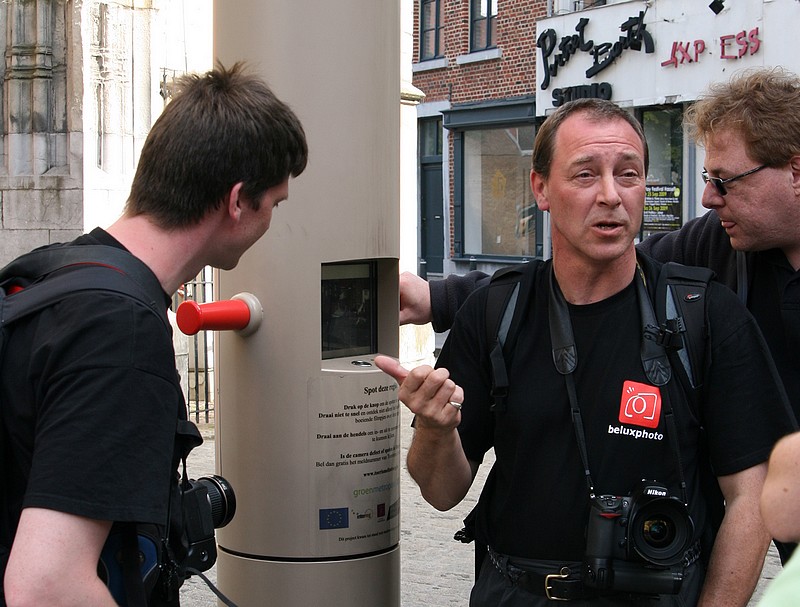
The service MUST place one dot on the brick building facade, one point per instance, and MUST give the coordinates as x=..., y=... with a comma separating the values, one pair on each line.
x=509, y=73
x=470, y=88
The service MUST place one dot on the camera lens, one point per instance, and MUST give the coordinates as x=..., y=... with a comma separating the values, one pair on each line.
x=222, y=497
x=661, y=531
x=658, y=532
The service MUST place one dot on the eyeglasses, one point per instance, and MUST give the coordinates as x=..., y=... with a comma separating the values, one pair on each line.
x=720, y=183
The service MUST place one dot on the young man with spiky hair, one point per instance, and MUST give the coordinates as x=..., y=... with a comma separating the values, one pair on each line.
x=89, y=392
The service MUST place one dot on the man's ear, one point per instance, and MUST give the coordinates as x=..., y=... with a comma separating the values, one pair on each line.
x=234, y=202
x=794, y=165
x=539, y=189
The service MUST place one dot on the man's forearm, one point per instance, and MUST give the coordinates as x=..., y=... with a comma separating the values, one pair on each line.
x=736, y=560
x=438, y=465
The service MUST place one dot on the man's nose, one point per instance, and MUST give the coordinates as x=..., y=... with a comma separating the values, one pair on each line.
x=711, y=197
x=609, y=191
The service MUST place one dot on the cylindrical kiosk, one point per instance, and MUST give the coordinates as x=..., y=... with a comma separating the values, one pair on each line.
x=307, y=427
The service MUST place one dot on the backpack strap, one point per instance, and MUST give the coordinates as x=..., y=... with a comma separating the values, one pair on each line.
x=131, y=575
x=52, y=273
x=508, y=294
x=45, y=260
x=506, y=300
x=682, y=314
x=681, y=296
x=741, y=277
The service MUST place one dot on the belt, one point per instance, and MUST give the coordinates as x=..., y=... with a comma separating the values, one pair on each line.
x=565, y=584
x=556, y=586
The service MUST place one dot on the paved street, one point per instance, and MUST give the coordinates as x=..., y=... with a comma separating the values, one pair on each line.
x=436, y=571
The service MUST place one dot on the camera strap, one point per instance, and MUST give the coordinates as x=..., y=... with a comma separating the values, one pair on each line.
x=654, y=361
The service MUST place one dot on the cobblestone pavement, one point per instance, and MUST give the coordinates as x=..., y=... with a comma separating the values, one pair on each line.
x=436, y=571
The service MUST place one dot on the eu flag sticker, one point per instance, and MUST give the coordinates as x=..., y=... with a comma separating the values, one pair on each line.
x=334, y=518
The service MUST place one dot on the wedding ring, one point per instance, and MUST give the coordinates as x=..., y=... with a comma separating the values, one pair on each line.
x=456, y=405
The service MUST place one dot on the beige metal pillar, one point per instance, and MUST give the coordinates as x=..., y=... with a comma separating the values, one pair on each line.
x=307, y=427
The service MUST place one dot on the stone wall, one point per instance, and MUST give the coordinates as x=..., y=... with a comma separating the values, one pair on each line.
x=82, y=83
x=41, y=177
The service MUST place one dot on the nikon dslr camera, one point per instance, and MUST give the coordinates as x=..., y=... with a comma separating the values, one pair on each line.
x=636, y=543
x=207, y=503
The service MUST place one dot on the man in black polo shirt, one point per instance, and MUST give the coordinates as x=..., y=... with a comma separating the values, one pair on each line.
x=567, y=434
x=750, y=128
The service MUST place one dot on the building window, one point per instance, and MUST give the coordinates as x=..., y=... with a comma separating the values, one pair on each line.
x=569, y=6
x=500, y=215
x=483, y=25
x=580, y=5
x=430, y=138
x=431, y=29
x=494, y=214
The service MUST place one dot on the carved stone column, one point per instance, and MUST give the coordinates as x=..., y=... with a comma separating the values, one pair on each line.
x=41, y=178
x=35, y=88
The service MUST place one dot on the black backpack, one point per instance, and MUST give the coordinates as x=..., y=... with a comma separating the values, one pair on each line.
x=682, y=328
x=46, y=276
x=138, y=561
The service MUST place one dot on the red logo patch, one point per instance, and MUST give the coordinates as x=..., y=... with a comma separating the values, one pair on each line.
x=640, y=405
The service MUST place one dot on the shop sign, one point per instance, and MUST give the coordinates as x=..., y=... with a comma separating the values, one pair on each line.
x=731, y=46
x=557, y=53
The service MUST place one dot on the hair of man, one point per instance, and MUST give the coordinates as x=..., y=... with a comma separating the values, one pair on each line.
x=221, y=128
x=598, y=110
x=761, y=104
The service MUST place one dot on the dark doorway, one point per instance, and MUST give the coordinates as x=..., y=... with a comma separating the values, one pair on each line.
x=431, y=197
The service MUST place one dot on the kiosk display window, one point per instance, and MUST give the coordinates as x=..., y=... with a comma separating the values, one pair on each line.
x=349, y=309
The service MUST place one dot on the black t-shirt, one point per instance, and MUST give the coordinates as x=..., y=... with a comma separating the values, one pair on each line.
x=775, y=303
x=90, y=400
x=535, y=503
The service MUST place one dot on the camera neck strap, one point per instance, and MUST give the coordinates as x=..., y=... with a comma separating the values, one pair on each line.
x=654, y=361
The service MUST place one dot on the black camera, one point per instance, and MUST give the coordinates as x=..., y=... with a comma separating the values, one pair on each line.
x=637, y=543
x=208, y=503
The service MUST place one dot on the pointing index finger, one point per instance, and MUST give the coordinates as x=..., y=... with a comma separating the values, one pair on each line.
x=392, y=367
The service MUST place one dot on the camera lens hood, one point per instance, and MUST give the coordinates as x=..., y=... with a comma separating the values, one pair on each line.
x=222, y=498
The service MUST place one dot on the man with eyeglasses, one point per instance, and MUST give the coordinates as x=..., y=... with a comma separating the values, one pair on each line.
x=750, y=128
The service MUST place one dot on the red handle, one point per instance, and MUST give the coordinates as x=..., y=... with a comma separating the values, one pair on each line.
x=232, y=314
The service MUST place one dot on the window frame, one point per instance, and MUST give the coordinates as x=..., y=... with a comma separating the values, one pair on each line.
x=478, y=116
x=489, y=21
x=437, y=28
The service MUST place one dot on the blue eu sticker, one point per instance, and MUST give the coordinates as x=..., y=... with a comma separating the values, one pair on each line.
x=334, y=518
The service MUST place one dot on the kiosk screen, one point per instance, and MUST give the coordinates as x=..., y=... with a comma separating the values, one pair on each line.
x=349, y=309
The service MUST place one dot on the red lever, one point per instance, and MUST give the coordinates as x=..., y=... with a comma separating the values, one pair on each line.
x=242, y=313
